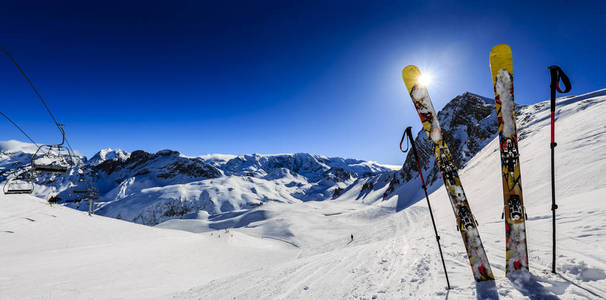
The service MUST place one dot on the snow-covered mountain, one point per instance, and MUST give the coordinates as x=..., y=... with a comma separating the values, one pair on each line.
x=305, y=250
x=108, y=155
x=150, y=188
x=156, y=187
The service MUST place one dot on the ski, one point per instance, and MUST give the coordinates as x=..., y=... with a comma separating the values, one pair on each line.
x=516, y=253
x=466, y=222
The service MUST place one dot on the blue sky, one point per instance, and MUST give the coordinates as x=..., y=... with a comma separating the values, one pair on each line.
x=274, y=77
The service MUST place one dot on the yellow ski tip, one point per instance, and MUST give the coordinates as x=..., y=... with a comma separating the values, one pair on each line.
x=410, y=74
x=500, y=58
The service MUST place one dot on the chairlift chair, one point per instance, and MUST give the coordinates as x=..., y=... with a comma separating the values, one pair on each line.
x=52, y=158
x=84, y=186
x=20, y=184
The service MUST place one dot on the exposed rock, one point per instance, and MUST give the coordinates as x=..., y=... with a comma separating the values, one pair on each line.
x=468, y=123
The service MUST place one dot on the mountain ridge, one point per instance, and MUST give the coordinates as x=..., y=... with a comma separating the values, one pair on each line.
x=150, y=188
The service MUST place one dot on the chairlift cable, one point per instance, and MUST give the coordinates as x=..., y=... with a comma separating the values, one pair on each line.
x=34, y=88
x=20, y=129
x=70, y=152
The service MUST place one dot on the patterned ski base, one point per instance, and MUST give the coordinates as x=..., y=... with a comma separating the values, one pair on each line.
x=465, y=220
x=515, y=215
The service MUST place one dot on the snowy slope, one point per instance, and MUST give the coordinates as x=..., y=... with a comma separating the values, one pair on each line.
x=60, y=253
x=395, y=257
x=302, y=249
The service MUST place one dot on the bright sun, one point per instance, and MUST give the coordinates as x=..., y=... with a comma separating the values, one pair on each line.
x=424, y=79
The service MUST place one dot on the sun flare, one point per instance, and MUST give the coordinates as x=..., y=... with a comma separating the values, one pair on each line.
x=424, y=79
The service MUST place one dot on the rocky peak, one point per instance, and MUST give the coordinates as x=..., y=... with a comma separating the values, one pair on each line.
x=311, y=166
x=108, y=154
x=468, y=123
x=163, y=164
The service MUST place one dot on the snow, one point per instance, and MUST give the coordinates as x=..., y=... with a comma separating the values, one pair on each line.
x=292, y=249
x=217, y=159
x=149, y=191
x=17, y=146
x=108, y=154
x=391, y=167
x=60, y=253
x=150, y=188
x=504, y=88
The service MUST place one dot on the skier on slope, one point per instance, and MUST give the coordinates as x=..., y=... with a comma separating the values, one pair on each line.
x=53, y=199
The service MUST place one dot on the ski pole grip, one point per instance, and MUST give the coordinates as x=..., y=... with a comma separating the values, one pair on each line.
x=406, y=131
x=556, y=75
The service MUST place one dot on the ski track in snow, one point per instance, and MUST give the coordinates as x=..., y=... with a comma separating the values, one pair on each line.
x=303, y=250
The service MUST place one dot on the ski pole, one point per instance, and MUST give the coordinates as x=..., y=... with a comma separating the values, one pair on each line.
x=408, y=132
x=556, y=74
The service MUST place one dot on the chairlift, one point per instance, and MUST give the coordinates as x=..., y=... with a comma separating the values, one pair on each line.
x=88, y=192
x=20, y=184
x=47, y=158
x=84, y=187
x=92, y=196
x=53, y=158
